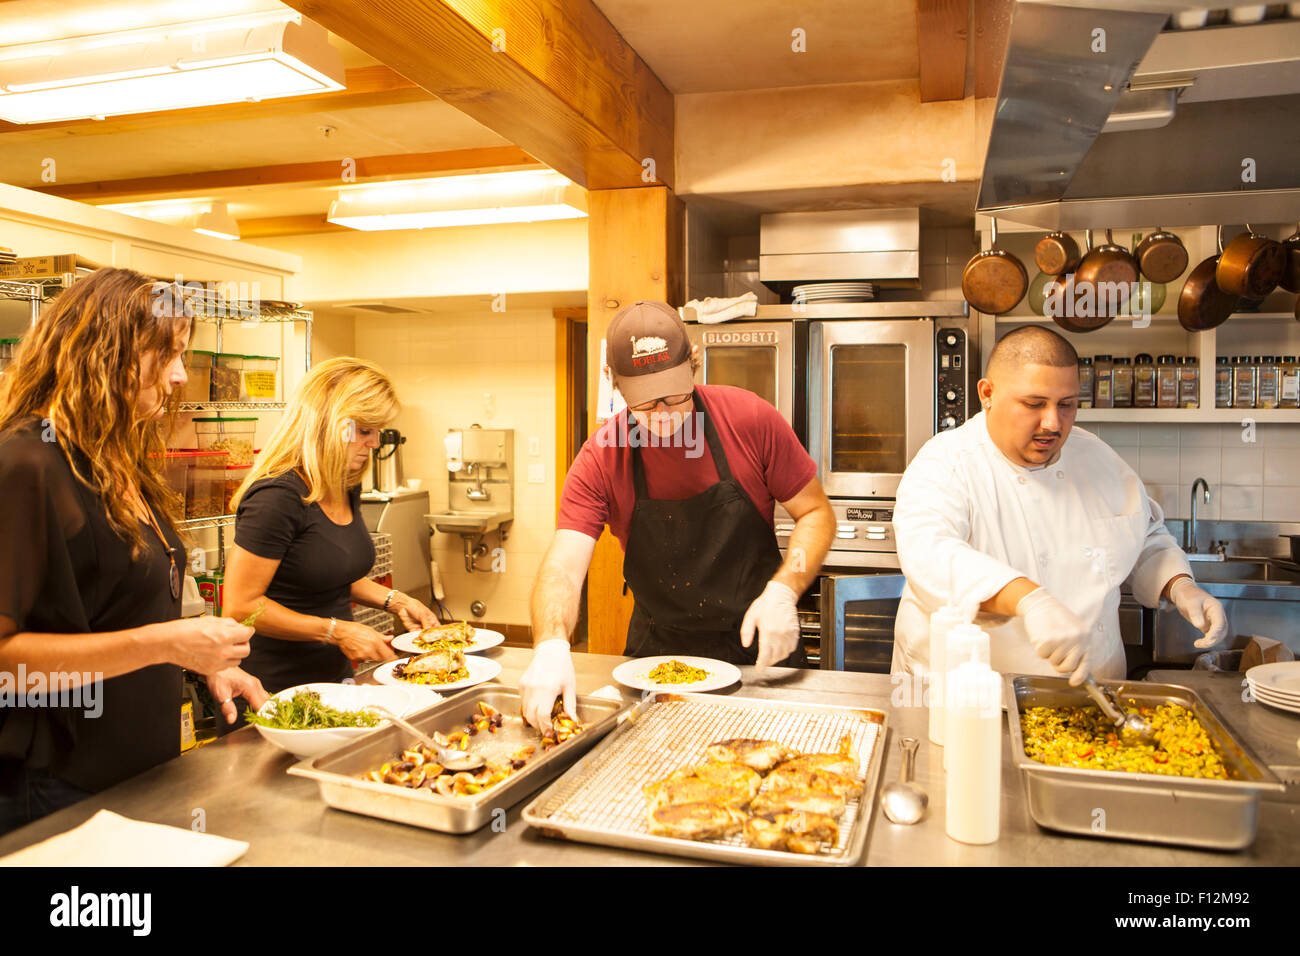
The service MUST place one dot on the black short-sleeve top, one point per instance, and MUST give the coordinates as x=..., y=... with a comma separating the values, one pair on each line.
x=319, y=561
x=64, y=570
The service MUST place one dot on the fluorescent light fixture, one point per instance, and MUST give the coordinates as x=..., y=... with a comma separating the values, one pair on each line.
x=205, y=218
x=165, y=68
x=482, y=199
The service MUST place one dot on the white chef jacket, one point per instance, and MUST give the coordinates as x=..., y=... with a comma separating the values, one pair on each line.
x=968, y=522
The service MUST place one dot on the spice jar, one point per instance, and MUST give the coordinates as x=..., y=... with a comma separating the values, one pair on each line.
x=1167, y=382
x=1085, y=383
x=1102, y=394
x=1243, y=382
x=1223, y=382
x=1268, y=381
x=1122, y=382
x=1144, y=381
x=1289, y=393
x=1189, y=383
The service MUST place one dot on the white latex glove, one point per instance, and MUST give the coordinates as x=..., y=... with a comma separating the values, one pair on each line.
x=774, y=616
x=1056, y=633
x=1202, y=610
x=549, y=675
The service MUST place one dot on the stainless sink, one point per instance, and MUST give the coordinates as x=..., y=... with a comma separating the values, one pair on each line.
x=1246, y=569
x=469, y=522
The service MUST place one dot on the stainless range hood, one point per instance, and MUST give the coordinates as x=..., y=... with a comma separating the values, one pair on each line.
x=882, y=246
x=1199, y=126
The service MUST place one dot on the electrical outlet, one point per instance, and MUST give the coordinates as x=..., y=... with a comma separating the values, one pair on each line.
x=534, y=446
x=537, y=474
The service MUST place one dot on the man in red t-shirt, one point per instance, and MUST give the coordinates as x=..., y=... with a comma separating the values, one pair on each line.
x=687, y=480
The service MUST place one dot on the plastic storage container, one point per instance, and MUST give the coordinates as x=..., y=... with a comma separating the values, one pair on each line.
x=227, y=377
x=1189, y=382
x=235, y=475
x=1144, y=381
x=1268, y=381
x=1223, y=382
x=1085, y=382
x=231, y=435
x=1244, y=377
x=1122, y=382
x=257, y=383
x=1103, y=395
x=206, y=484
x=7, y=349
x=1290, y=390
x=176, y=469
x=198, y=371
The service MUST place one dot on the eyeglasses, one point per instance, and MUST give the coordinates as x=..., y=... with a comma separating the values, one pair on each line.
x=671, y=401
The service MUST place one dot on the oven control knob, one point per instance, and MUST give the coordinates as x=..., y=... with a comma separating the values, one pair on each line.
x=948, y=422
x=950, y=395
x=951, y=340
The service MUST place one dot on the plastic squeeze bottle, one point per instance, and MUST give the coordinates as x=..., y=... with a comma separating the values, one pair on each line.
x=974, y=753
x=964, y=640
x=941, y=622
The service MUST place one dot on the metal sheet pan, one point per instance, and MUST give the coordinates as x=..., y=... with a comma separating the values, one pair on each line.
x=339, y=771
x=600, y=801
x=1187, y=811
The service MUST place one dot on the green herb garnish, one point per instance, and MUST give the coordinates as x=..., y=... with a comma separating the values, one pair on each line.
x=306, y=711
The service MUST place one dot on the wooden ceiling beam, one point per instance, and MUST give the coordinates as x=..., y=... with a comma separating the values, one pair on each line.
x=366, y=86
x=942, y=32
x=287, y=226
x=992, y=26
x=552, y=76
x=326, y=172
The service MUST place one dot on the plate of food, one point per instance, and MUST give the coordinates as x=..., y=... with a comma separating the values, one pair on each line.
x=460, y=635
x=675, y=672
x=444, y=668
x=312, y=719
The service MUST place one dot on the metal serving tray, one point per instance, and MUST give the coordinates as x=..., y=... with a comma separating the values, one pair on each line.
x=1188, y=811
x=600, y=800
x=339, y=771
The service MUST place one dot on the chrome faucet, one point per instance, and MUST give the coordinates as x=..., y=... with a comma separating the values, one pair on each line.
x=1189, y=529
x=478, y=492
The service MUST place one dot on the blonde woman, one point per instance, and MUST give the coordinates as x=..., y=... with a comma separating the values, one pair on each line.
x=90, y=561
x=300, y=543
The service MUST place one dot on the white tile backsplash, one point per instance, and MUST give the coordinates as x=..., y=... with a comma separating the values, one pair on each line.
x=1249, y=480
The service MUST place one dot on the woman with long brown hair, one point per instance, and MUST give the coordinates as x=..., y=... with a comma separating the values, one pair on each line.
x=302, y=551
x=91, y=648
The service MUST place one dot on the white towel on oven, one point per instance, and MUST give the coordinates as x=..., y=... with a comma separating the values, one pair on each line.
x=712, y=310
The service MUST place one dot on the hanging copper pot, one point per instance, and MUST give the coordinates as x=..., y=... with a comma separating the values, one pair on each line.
x=1251, y=265
x=1202, y=304
x=1056, y=253
x=1108, y=267
x=994, y=281
x=1291, y=274
x=1161, y=256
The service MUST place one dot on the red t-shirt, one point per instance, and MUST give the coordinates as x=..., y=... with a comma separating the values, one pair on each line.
x=761, y=448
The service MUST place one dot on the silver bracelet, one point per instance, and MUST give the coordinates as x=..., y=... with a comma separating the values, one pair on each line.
x=329, y=635
x=389, y=598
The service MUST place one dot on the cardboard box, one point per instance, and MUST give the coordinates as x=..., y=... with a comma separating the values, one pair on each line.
x=45, y=267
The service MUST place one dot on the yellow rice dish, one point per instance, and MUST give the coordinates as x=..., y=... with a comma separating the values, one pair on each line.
x=1084, y=737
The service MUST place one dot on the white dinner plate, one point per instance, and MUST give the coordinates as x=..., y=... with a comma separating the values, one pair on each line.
x=483, y=639
x=1282, y=677
x=1266, y=691
x=1289, y=706
x=481, y=669
x=634, y=673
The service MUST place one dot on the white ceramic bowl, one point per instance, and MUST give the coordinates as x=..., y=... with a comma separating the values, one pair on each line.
x=312, y=743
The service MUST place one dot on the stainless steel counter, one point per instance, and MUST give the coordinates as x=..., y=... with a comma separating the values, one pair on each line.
x=239, y=788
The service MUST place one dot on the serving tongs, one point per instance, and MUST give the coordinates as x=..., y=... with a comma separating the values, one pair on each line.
x=1131, y=727
x=453, y=760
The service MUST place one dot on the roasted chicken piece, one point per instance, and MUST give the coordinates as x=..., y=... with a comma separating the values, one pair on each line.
x=691, y=789
x=441, y=661
x=458, y=634
x=695, y=821
x=798, y=798
x=799, y=832
x=843, y=762
x=733, y=776
x=760, y=755
x=792, y=775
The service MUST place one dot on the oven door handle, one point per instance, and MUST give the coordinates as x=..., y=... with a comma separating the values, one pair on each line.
x=837, y=590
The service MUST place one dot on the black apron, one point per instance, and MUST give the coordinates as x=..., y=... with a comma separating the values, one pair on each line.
x=695, y=565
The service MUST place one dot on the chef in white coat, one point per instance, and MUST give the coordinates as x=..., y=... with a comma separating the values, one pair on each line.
x=1036, y=523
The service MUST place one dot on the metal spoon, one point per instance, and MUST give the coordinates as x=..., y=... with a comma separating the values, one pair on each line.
x=1131, y=727
x=905, y=802
x=453, y=760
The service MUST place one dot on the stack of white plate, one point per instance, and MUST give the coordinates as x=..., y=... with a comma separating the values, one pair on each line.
x=834, y=292
x=1277, y=685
